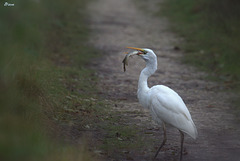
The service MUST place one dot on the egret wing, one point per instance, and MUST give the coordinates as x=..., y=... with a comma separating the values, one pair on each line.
x=169, y=107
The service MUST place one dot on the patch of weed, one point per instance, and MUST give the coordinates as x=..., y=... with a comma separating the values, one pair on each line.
x=211, y=32
x=118, y=136
x=43, y=51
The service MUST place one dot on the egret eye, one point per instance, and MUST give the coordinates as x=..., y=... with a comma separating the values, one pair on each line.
x=144, y=52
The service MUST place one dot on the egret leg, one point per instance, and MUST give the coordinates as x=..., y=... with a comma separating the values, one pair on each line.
x=164, y=141
x=182, y=139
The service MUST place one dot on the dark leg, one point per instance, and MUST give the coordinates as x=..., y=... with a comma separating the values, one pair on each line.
x=182, y=139
x=164, y=141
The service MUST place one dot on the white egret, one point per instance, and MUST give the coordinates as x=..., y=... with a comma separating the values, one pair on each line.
x=165, y=105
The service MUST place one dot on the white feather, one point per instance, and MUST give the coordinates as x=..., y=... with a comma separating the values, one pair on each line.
x=167, y=106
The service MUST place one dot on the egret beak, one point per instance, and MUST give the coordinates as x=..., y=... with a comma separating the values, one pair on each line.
x=139, y=49
x=135, y=48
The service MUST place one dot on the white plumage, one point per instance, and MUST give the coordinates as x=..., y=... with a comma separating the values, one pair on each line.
x=165, y=105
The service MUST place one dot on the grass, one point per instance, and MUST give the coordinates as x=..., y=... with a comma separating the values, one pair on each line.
x=48, y=95
x=43, y=79
x=119, y=136
x=211, y=30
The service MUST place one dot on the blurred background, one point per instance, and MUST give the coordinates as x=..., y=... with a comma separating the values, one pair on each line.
x=39, y=43
x=211, y=31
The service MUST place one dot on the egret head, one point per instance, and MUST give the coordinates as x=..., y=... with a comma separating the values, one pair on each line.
x=147, y=54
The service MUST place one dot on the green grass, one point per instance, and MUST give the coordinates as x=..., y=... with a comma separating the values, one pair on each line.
x=119, y=138
x=43, y=79
x=48, y=95
x=212, y=34
x=119, y=135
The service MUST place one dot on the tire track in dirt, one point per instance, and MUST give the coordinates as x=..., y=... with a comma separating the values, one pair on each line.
x=117, y=24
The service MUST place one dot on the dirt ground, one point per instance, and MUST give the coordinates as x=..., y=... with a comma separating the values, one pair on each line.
x=120, y=23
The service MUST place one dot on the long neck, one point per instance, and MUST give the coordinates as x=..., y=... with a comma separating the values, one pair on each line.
x=150, y=68
x=143, y=85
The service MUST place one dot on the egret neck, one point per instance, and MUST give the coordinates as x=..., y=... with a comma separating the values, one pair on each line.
x=143, y=88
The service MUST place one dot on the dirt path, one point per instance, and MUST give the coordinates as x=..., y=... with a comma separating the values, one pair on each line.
x=119, y=23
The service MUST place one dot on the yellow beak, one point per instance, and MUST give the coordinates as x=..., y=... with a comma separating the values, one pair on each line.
x=135, y=48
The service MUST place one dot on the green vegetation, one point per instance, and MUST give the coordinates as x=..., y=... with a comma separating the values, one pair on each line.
x=43, y=52
x=211, y=29
x=48, y=97
x=119, y=136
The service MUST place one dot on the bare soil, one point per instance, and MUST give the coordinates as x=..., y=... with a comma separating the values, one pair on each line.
x=120, y=23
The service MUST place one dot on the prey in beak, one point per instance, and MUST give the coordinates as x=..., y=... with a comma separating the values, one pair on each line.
x=138, y=52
